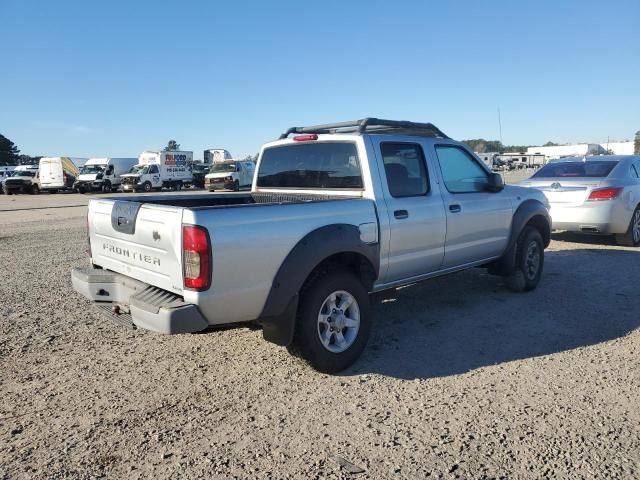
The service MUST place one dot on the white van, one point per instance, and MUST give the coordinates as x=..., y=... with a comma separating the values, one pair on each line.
x=59, y=173
x=216, y=155
x=156, y=170
x=103, y=174
x=229, y=175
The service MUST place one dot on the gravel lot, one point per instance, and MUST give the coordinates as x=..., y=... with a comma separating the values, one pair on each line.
x=461, y=379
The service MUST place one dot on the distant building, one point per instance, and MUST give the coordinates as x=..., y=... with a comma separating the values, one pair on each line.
x=618, y=148
x=559, y=151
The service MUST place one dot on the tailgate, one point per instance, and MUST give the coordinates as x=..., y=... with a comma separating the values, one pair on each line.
x=142, y=241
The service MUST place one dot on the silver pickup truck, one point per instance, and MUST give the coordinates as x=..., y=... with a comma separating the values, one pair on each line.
x=336, y=212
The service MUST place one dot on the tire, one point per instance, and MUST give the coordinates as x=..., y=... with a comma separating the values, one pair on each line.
x=353, y=324
x=631, y=238
x=529, y=262
x=35, y=190
x=178, y=186
x=236, y=186
x=106, y=187
x=146, y=187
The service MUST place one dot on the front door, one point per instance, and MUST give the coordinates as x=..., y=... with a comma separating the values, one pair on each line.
x=478, y=221
x=417, y=221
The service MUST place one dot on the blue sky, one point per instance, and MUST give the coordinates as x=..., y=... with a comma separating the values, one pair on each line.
x=87, y=78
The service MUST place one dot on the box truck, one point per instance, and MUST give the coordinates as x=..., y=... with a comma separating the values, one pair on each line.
x=103, y=174
x=59, y=173
x=156, y=170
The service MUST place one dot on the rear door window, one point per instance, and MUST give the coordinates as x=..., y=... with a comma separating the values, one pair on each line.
x=405, y=169
x=311, y=165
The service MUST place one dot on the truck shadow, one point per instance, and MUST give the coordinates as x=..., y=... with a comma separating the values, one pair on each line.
x=469, y=320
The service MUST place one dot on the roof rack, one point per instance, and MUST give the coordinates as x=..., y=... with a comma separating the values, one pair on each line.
x=372, y=125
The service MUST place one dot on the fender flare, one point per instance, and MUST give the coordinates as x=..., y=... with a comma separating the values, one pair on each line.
x=279, y=313
x=528, y=210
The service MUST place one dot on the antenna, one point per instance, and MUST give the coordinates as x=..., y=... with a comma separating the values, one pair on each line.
x=500, y=125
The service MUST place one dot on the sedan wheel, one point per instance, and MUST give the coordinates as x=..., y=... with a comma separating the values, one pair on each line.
x=632, y=237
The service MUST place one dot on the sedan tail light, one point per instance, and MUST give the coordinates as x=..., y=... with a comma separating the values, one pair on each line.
x=608, y=193
x=196, y=257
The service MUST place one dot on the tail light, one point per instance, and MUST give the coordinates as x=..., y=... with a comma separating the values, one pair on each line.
x=196, y=257
x=608, y=193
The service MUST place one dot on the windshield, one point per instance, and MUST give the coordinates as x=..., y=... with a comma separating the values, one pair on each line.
x=24, y=173
x=92, y=169
x=311, y=165
x=223, y=167
x=197, y=168
x=593, y=169
x=139, y=169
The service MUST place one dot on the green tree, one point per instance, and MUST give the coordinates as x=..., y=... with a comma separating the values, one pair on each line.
x=636, y=143
x=172, y=146
x=9, y=152
x=551, y=144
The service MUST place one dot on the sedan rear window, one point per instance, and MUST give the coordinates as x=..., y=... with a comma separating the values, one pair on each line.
x=311, y=165
x=575, y=169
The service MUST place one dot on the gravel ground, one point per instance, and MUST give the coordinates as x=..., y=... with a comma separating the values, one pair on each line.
x=461, y=379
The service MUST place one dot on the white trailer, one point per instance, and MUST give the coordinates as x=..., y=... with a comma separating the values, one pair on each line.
x=216, y=155
x=103, y=174
x=156, y=170
x=59, y=173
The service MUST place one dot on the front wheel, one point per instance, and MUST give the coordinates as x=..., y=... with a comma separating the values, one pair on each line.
x=334, y=320
x=632, y=236
x=35, y=190
x=529, y=262
x=146, y=186
x=106, y=187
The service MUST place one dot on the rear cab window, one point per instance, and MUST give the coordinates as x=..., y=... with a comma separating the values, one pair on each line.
x=318, y=165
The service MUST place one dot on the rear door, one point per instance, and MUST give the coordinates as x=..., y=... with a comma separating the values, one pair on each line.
x=51, y=172
x=143, y=241
x=417, y=220
x=478, y=221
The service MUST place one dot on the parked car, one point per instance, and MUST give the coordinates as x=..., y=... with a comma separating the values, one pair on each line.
x=229, y=175
x=102, y=174
x=24, y=179
x=59, y=173
x=595, y=195
x=157, y=170
x=335, y=213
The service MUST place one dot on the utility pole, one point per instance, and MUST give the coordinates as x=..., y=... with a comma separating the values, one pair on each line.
x=500, y=125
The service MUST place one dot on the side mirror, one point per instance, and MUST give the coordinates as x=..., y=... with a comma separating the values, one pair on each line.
x=495, y=183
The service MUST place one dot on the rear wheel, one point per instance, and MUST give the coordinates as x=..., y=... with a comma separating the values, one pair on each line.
x=529, y=262
x=334, y=320
x=178, y=185
x=632, y=236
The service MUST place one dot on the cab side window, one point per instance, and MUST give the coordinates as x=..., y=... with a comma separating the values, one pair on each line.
x=460, y=171
x=405, y=169
x=153, y=169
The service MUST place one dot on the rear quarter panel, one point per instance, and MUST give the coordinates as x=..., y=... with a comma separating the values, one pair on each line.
x=249, y=243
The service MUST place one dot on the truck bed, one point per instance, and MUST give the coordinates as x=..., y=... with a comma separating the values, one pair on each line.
x=141, y=237
x=232, y=199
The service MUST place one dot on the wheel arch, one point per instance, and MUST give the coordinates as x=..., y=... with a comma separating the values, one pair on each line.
x=320, y=251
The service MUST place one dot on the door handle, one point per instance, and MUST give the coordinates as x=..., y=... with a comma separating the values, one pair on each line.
x=400, y=214
x=455, y=208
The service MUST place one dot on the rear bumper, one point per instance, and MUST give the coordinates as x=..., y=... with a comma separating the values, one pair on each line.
x=592, y=217
x=150, y=308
